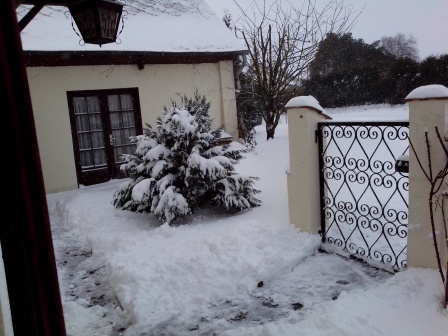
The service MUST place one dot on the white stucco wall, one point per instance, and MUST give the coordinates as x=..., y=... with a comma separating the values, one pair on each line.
x=304, y=114
x=157, y=84
x=424, y=115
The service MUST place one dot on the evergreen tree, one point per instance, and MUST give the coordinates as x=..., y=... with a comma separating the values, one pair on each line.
x=339, y=53
x=348, y=71
x=180, y=167
x=433, y=70
x=402, y=76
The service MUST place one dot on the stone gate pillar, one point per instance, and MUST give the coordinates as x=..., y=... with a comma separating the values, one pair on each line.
x=428, y=107
x=304, y=113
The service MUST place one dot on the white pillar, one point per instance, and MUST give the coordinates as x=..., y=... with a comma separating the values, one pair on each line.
x=304, y=113
x=428, y=107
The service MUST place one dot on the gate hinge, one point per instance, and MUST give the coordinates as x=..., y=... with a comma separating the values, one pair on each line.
x=316, y=135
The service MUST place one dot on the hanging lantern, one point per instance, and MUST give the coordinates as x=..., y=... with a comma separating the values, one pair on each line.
x=97, y=20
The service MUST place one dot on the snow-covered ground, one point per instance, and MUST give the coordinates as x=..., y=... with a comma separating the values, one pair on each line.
x=375, y=112
x=246, y=273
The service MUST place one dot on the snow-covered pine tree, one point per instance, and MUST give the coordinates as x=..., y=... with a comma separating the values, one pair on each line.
x=181, y=167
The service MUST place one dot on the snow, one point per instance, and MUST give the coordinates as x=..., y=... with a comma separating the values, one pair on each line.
x=428, y=91
x=403, y=157
x=160, y=26
x=244, y=273
x=374, y=112
x=304, y=101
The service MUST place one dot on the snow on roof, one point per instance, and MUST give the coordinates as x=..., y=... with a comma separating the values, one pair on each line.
x=149, y=25
x=428, y=91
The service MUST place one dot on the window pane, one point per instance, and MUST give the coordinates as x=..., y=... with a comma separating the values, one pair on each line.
x=93, y=104
x=128, y=132
x=128, y=119
x=79, y=105
x=97, y=139
x=84, y=141
x=130, y=149
x=118, y=137
x=86, y=159
x=126, y=102
x=96, y=122
x=82, y=123
x=113, y=102
x=115, y=120
x=119, y=151
x=100, y=157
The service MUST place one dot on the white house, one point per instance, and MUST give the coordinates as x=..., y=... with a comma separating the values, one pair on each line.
x=87, y=100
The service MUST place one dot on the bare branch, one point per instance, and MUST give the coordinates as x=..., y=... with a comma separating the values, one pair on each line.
x=283, y=38
x=401, y=46
x=418, y=161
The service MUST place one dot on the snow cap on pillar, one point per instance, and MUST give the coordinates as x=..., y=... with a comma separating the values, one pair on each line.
x=306, y=101
x=426, y=92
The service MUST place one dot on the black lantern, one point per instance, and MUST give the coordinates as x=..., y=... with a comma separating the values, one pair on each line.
x=97, y=20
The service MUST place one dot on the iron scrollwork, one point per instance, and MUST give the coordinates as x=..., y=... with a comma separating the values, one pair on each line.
x=364, y=199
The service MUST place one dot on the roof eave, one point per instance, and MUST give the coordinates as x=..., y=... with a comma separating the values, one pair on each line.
x=80, y=58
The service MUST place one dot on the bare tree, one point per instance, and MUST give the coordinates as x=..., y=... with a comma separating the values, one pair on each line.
x=401, y=46
x=282, y=40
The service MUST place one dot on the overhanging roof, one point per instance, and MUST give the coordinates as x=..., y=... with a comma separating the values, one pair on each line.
x=168, y=26
x=79, y=58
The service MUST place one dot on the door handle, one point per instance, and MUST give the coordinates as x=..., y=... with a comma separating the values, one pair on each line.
x=111, y=139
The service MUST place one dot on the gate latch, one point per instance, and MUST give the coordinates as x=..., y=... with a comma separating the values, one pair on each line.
x=402, y=164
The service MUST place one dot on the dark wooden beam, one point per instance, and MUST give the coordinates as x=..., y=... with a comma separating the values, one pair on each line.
x=139, y=58
x=29, y=16
x=25, y=235
x=44, y=2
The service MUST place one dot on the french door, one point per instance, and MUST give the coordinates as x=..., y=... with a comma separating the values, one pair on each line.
x=102, y=122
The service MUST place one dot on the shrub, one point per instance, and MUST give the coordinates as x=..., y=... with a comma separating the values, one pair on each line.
x=181, y=167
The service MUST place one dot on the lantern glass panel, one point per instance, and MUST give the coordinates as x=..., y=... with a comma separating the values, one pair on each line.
x=108, y=22
x=85, y=21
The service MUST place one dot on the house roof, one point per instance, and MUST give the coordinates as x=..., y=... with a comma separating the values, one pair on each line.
x=184, y=30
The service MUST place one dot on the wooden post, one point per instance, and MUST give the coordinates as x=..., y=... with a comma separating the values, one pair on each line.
x=25, y=235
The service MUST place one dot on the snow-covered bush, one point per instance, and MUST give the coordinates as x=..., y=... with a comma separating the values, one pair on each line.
x=181, y=167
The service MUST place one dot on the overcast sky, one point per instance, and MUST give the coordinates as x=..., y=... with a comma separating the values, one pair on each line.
x=427, y=20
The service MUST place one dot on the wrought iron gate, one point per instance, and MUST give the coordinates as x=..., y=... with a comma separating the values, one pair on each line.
x=364, y=200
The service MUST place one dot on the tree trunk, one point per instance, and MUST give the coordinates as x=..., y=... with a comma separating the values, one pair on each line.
x=270, y=121
x=270, y=134
x=242, y=129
